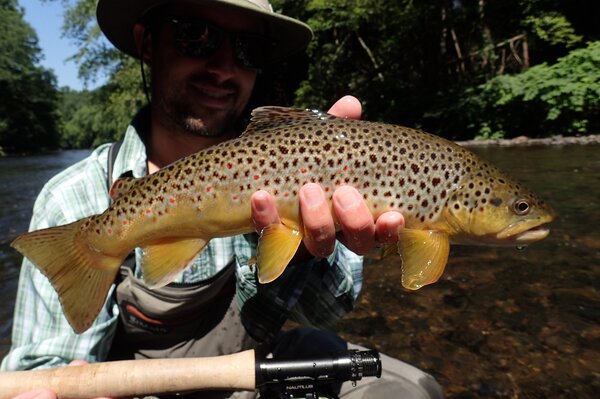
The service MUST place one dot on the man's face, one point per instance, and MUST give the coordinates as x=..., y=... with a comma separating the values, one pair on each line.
x=201, y=96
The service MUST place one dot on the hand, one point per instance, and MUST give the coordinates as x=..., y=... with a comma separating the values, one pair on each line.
x=359, y=231
x=45, y=393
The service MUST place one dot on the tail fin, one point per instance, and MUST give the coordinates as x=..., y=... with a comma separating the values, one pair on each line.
x=80, y=275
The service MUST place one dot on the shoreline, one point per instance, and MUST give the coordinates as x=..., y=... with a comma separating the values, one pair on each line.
x=524, y=141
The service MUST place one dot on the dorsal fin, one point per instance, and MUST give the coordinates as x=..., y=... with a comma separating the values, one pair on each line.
x=122, y=185
x=271, y=117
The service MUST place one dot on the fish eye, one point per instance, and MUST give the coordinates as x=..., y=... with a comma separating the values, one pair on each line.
x=521, y=207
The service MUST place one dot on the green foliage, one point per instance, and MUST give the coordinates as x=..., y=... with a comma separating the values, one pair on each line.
x=28, y=110
x=93, y=118
x=433, y=64
x=546, y=100
x=366, y=48
x=555, y=29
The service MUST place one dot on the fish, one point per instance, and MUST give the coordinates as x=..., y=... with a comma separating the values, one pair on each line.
x=447, y=195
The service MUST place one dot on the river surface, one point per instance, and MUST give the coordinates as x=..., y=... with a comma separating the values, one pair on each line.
x=500, y=323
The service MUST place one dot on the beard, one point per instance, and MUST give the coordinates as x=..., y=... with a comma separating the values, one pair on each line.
x=183, y=113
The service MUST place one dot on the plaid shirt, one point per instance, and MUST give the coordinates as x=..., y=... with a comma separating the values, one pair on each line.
x=317, y=293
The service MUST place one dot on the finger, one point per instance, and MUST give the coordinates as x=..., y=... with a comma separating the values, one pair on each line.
x=319, y=229
x=41, y=393
x=387, y=226
x=347, y=107
x=78, y=363
x=355, y=219
x=264, y=211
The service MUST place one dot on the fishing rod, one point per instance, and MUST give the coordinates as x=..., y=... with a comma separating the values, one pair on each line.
x=285, y=379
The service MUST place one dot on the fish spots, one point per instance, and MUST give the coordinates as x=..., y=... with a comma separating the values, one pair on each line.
x=496, y=202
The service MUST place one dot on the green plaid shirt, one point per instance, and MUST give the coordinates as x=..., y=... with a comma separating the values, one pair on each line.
x=317, y=293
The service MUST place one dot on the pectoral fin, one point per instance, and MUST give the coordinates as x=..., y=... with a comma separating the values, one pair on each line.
x=424, y=256
x=277, y=245
x=163, y=261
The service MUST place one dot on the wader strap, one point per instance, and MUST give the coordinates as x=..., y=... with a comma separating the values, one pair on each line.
x=113, y=151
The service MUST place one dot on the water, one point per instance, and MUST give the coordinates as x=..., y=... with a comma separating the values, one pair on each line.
x=21, y=179
x=501, y=323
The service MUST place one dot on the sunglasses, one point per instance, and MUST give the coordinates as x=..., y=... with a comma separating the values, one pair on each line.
x=200, y=39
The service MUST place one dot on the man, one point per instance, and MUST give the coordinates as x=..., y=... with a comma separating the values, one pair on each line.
x=204, y=57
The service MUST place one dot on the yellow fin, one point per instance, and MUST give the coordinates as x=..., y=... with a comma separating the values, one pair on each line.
x=424, y=256
x=80, y=275
x=276, y=247
x=163, y=261
x=122, y=185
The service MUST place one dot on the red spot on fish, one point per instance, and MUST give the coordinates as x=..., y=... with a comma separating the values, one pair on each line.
x=256, y=177
x=109, y=231
x=124, y=222
x=229, y=165
x=235, y=197
x=345, y=168
x=208, y=188
x=303, y=170
x=172, y=200
x=148, y=211
x=327, y=189
x=286, y=195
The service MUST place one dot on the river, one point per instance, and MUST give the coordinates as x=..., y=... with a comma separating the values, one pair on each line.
x=501, y=323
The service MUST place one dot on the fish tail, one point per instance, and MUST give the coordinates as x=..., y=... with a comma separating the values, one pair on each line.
x=80, y=275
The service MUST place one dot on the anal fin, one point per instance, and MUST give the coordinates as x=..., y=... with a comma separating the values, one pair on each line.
x=163, y=261
x=276, y=247
x=424, y=256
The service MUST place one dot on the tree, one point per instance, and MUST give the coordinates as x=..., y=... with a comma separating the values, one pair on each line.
x=409, y=62
x=558, y=99
x=104, y=113
x=28, y=111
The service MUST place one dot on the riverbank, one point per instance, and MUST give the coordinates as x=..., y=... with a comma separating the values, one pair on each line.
x=524, y=141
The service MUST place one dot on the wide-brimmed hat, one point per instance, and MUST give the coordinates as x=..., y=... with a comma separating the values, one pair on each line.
x=117, y=18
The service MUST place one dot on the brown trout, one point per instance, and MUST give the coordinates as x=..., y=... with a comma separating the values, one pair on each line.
x=446, y=194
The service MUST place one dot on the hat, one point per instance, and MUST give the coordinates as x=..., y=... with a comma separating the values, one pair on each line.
x=117, y=18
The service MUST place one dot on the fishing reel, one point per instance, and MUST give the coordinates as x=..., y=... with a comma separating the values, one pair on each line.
x=314, y=378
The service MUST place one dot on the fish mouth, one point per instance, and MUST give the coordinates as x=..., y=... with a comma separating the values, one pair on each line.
x=522, y=234
x=532, y=235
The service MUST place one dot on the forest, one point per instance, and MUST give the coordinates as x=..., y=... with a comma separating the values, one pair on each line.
x=462, y=69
